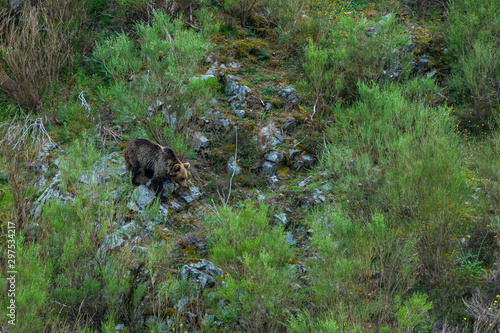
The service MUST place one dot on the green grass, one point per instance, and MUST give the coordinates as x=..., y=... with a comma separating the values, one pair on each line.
x=410, y=238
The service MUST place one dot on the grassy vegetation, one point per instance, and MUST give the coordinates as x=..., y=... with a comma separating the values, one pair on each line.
x=394, y=229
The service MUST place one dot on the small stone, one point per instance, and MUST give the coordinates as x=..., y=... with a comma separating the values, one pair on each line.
x=269, y=167
x=289, y=239
x=239, y=113
x=422, y=65
x=141, y=197
x=235, y=65
x=233, y=167
x=193, y=194
x=169, y=187
x=268, y=106
x=295, y=286
x=204, y=280
x=290, y=124
x=176, y=206
x=274, y=156
x=281, y=218
x=221, y=124
x=302, y=162
x=120, y=328
x=208, y=267
x=290, y=95
x=431, y=74
x=199, y=141
x=129, y=229
x=305, y=181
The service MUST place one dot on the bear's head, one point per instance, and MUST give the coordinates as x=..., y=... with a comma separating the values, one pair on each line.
x=179, y=174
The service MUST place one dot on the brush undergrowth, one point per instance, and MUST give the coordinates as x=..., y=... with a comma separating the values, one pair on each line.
x=410, y=239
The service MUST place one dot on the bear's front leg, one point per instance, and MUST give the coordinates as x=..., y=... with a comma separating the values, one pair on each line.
x=157, y=184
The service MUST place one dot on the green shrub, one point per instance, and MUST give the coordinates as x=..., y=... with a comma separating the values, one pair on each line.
x=414, y=314
x=367, y=261
x=255, y=255
x=334, y=64
x=171, y=54
x=471, y=32
x=32, y=287
x=78, y=160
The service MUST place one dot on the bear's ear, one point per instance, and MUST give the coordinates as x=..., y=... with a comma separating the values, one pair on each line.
x=186, y=165
x=176, y=168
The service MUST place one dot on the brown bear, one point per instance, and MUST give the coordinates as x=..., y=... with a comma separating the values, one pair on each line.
x=158, y=163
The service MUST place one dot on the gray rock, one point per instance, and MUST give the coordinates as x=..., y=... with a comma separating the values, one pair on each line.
x=235, y=90
x=273, y=180
x=422, y=65
x=111, y=242
x=120, y=328
x=233, y=167
x=17, y=7
x=409, y=47
x=205, y=77
x=274, y=156
x=326, y=187
x=271, y=136
x=220, y=123
x=281, y=218
x=290, y=95
x=169, y=187
x=170, y=119
x=237, y=105
x=292, y=153
x=290, y=124
x=122, y=170
x=268, y=106
x=176, y=206
x=199, y=141
x=193, y=194
x=128, y=230
x=49, y=194
x=302, y=161
x=269, y=167
x=141, y=197
x=371, y=31
x=290, y=239
x=204, y=280
x=239, y=113
x=207, y=320
x=140, y=249
x=181, y=304
x=208, y=267
x=234, y=65
x=305, y=182
x=432, y=73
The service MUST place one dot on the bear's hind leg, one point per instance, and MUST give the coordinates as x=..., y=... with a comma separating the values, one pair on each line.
x=149, y=173
x=157, y=185
x=135, y=172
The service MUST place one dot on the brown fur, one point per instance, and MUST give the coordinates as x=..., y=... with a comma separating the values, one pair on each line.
x=158, y=163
